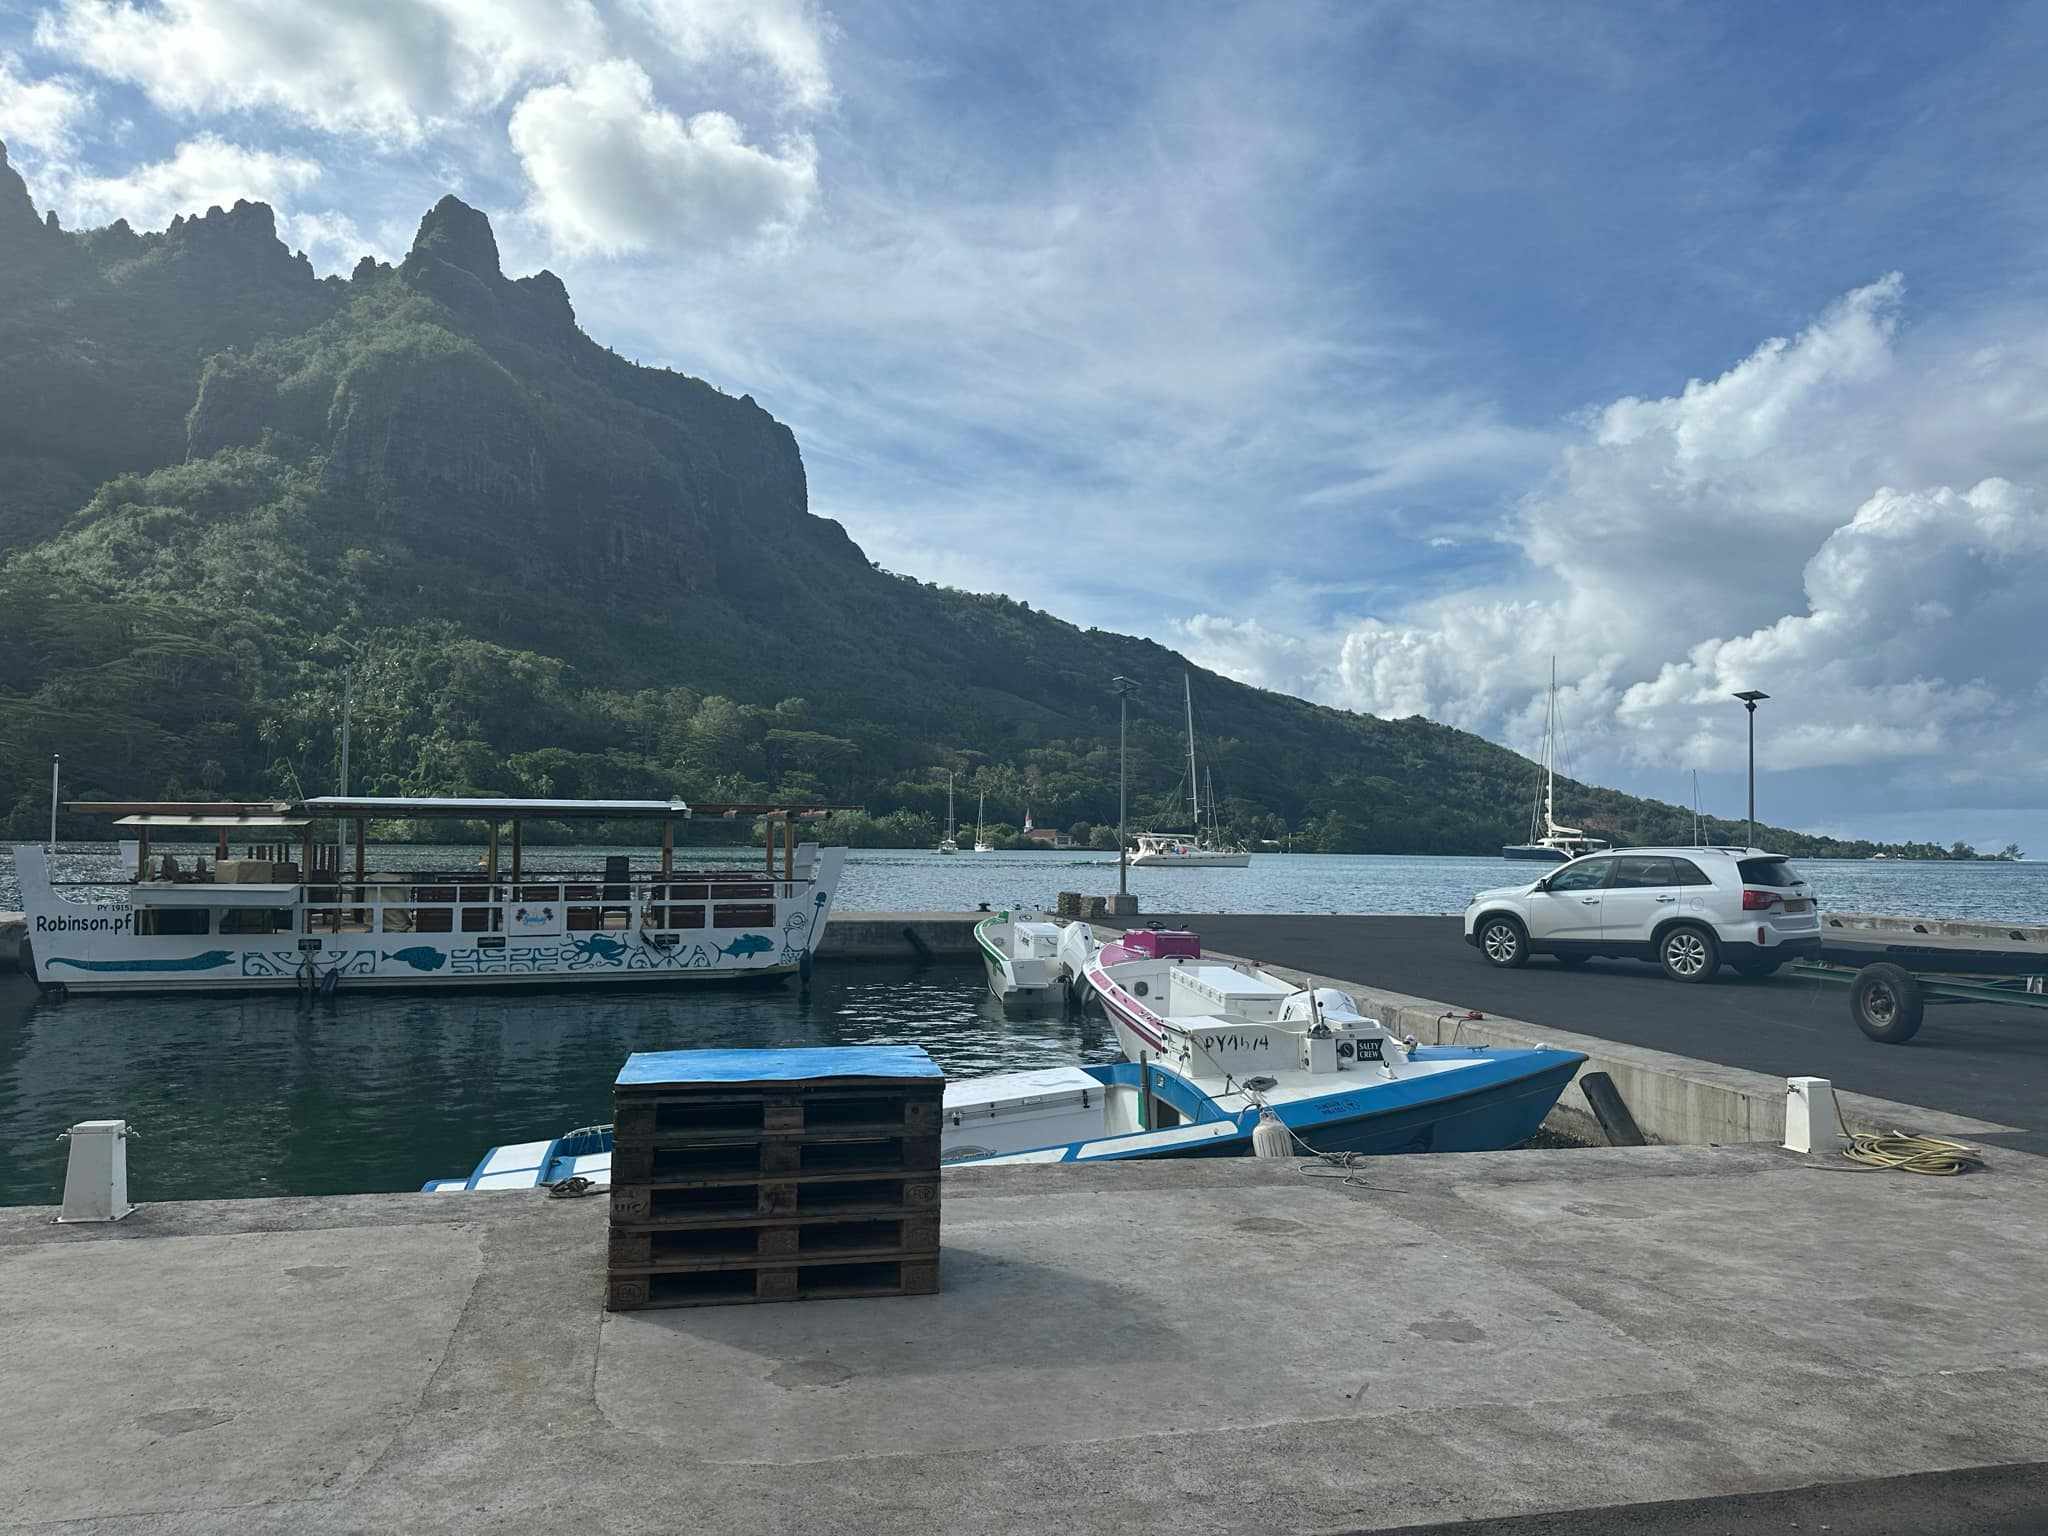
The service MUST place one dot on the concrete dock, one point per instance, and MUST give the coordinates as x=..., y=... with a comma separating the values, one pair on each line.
x=1170, y=1347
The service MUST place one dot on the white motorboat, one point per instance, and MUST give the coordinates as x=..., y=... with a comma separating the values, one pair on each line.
x=1021, y=953
x=1203, y=848
x=1259, y=1050
x=281, y=912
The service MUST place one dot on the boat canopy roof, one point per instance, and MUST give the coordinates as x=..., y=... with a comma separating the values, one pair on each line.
x=288, y=813
x=164, y=819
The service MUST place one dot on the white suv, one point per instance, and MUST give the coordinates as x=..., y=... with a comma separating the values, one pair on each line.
x=1689, y=909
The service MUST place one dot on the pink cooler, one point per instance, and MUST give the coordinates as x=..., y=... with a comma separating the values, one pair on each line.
x=1163, y=943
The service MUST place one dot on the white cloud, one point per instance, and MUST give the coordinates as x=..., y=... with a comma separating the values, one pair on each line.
x=785, y=36
x=40, y=116
x=1253, y=653
x=202, y=173
x=334, y=242
x=615, y=173
x=389, y=69
x=1663, y=522
x=1920, y=639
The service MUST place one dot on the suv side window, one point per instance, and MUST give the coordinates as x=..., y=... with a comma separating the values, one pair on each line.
x=1690, y=873
x=1589, y=876
x=1639, y=873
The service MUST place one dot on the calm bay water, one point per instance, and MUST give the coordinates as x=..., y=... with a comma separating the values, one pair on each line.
x=241, y=1096
x=908, y=880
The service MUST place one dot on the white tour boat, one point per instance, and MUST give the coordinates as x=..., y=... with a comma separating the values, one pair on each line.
x=1203, y=848
x=281, y=912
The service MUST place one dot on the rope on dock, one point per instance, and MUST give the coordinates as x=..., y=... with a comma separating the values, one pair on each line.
x=1907, y=1153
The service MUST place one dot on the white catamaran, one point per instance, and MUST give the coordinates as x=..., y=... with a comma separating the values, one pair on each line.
x=1205, y=847
x=1548, y=841
x=282, y=913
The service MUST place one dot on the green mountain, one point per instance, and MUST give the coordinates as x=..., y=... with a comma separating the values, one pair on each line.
x=225, y=481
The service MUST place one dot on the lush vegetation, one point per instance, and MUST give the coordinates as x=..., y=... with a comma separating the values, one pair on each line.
x=232, y=489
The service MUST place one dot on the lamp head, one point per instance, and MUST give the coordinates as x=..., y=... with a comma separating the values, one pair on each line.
x=1751, y=697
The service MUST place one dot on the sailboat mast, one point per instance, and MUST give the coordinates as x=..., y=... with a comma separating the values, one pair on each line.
x=949, y=805
x=1550, y=759
x=1194, y=784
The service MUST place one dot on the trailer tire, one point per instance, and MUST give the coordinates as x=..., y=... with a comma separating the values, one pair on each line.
x=1886, y=1003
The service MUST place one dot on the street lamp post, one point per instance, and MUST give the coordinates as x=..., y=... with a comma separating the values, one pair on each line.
x=1123, y=688
x=1750, y=699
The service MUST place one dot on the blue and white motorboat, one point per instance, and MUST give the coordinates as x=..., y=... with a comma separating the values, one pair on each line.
x=1214, y=1048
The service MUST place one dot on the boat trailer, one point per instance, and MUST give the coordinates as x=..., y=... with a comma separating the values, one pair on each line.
x=1896, y=967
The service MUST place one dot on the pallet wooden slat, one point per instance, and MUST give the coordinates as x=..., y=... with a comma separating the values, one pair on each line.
x=841, y=1157
x=900, y=1277
x=741, y=1246
x=721, y=1204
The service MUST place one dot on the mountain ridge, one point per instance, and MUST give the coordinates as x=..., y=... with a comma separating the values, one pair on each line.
x=552, y=570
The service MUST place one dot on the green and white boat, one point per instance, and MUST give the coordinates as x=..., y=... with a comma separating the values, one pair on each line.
x=1020, y=951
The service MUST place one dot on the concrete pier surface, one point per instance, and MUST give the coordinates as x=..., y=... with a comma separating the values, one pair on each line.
x=1199, y=1345
x=1983, y=1067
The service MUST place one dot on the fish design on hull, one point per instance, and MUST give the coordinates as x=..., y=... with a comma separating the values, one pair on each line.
x=421, y=957
x=211, y=960
x=746, y=944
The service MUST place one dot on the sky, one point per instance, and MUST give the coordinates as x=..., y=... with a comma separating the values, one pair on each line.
x=1373, y=352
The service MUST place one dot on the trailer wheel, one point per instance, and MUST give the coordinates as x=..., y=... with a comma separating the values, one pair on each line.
x=1886, y=1003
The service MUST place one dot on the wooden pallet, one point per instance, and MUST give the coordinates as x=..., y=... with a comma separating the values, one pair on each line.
x=799, y=1156
x=710, y=1204
x=660, y=1114
x=633, y=1292
x=741, y=1245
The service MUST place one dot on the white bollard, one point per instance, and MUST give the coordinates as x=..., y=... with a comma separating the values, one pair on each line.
x=1811, y=1119
x=96, y=1177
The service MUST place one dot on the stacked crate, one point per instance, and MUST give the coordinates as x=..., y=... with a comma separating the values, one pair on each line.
x=774, y=1176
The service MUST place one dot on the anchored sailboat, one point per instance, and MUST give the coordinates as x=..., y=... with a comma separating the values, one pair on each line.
x=948, y=843
x=1205, y=847
x=1548, y=841
x=981, y=842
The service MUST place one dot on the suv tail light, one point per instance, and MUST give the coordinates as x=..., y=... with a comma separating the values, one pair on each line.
x=1759, y=901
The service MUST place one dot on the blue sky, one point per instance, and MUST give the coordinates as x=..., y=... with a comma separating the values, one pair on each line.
x=1375, y=352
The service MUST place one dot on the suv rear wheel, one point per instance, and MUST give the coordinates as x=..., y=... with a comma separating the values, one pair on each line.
x=1688, y=953
x=1503, y=942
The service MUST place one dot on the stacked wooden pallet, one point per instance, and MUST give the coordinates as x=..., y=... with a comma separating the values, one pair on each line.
x=774, y=1176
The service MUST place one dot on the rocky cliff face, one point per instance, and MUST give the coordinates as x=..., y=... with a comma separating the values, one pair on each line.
x=454, y=417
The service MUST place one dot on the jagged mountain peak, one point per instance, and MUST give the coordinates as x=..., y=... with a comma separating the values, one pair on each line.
x=459, y=235
x=17, y=208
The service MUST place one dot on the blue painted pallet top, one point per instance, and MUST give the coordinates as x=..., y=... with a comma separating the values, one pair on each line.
x=650, y=1068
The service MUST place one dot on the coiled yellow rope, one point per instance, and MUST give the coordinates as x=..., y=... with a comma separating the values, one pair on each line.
x=1910, y=1154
